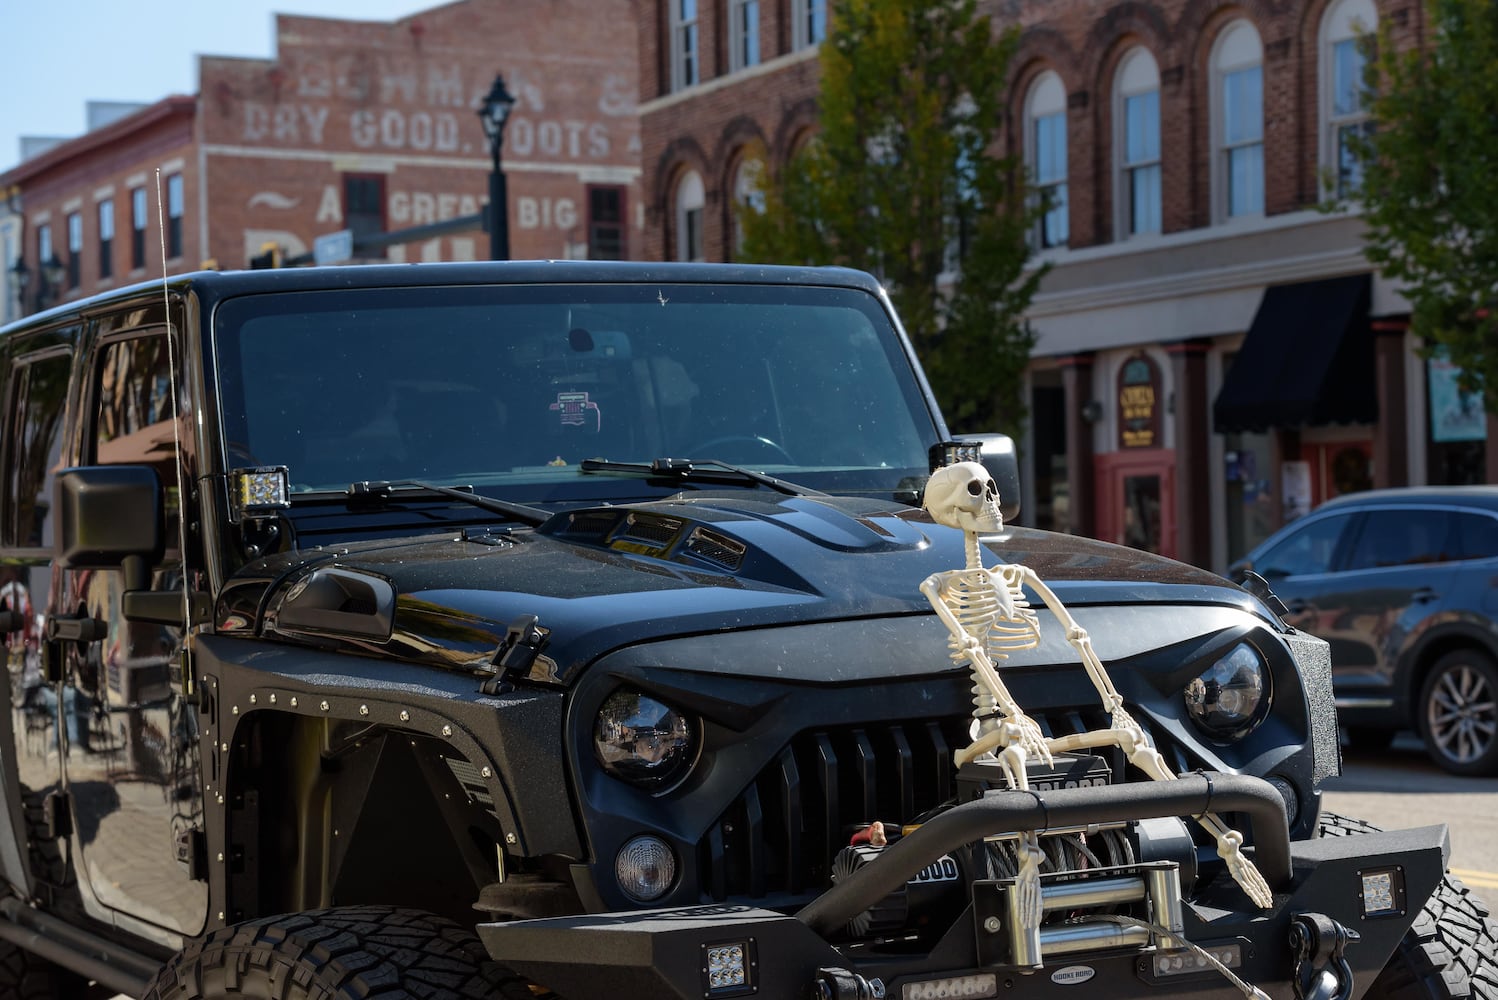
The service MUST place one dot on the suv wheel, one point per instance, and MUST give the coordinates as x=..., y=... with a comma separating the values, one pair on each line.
x=1446, y=954
x=345, y=952
x=1458, y=712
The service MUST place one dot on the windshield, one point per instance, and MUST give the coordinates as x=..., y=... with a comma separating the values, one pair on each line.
x=508, y=388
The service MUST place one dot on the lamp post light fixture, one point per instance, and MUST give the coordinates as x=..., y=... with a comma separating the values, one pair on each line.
x=495, y=112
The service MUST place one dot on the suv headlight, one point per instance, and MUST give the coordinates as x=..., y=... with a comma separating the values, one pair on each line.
x=1230, y=697
x=643, y=741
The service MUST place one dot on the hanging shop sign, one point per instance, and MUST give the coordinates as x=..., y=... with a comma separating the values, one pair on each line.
x=1139, y=403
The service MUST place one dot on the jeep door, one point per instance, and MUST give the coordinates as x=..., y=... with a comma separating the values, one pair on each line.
x=133, y=778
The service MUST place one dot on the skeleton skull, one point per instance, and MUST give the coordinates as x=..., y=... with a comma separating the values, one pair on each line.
x=964, y=495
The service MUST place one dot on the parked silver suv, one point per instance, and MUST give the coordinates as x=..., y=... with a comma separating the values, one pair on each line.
x=1403, y=584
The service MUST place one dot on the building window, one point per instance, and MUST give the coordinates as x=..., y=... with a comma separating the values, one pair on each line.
x=364, y=208
x=684, y=68
x=75, y=248
x=1344, y=113
x=748, y=194
x=106, y=238
x=743, y=33
x=1136, y=110
x=605, y=222
x=174, y=205
x=1045, y=118
x=809, y=22
x=138, y=228
x=1238, y=125
x=44, y=249
x=690, y=200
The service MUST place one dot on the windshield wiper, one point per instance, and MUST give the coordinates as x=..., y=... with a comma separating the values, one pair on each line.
x=686, y=468
x=382, y=490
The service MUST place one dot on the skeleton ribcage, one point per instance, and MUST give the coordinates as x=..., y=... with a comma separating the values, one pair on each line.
x=979, y=608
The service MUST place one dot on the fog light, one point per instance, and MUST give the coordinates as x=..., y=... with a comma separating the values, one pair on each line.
x=645, y=868
x=727, y=969
x=1383, y=892
x=257, y=492
x=982, y=985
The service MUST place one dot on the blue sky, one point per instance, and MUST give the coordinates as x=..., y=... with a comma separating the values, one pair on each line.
x=57, y=55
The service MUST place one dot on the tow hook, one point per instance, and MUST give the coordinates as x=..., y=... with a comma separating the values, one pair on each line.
x=1321, y=970
x=840, y=984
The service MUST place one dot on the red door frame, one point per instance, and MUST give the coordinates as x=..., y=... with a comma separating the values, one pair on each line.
x=1113, y=468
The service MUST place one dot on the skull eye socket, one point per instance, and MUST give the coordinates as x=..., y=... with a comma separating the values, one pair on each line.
x=975, y=488
x=991, y=488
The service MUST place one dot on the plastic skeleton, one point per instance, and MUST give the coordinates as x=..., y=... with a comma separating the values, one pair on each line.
x=988, y=616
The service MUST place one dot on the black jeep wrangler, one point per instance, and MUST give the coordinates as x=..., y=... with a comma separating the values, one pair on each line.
x=556, y=629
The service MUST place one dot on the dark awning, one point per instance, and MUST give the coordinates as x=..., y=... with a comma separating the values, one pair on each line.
x=1307, y=360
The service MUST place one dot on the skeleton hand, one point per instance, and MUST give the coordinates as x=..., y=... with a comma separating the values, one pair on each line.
x=1021, y=733
x=1027, y=885
x=1243, y=870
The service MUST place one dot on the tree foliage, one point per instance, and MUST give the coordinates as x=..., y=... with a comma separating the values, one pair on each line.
x=1430, y=181
x=902, y=180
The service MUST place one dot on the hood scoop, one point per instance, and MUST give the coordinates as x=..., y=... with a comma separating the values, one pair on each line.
x=649, y=533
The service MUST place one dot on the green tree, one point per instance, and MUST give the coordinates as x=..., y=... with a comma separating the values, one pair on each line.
x=902, y=180
x=1430, y=181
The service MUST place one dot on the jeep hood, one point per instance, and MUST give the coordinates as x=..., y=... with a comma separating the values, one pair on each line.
x=601, y=578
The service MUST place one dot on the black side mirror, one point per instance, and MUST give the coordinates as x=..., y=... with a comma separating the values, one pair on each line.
x=110, y=516
x=1001, y=461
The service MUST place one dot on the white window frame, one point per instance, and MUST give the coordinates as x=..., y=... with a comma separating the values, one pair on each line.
x=743, y=34
x=1238, y=48
x=1047, y=99
x=691, y=203
x=1138, y=76
x=686, y=44
x=1341, y=25
x=809, y=23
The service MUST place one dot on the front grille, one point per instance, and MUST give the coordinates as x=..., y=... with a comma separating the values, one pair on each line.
x=780, y=836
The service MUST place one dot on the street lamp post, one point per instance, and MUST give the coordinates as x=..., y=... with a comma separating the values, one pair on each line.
x=495, y=112
x=20, y=277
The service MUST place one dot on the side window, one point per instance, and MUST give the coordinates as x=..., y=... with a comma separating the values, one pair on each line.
x=1312, y=549
x=1401, y=538
x=1476, y=536
x=33, y=435
x=133, y=411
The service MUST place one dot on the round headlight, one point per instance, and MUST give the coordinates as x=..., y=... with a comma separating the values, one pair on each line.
x=644, y=742
x=1228, y=699
x=645, y=868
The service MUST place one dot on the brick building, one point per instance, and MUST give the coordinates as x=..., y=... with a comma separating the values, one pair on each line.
x=1215, y=352
x=362, y=126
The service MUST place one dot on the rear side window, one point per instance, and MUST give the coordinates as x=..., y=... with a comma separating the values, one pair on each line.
x=1476, y=536
x=1402, y=538
x=33, y=435
x=1311, y=549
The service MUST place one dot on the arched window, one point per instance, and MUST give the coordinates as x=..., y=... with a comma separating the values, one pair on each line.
x=1045, y=154
x=1238, y=122
x=690, y=200
x=1344, y=113
x=1136, y=112
x=748, y=194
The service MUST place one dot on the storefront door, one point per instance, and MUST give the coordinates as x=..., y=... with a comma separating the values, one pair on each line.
x=1136, y=499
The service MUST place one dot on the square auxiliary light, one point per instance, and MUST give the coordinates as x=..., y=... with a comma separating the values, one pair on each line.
x=945, y=453
x=728, y=968
x=257, y=492
x=1383, y=892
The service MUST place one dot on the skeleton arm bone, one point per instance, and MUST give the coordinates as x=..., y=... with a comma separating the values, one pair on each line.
x=971, y=646
x=1079, y=639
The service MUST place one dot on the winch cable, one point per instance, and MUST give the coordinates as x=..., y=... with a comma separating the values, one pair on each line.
x=1248, y=990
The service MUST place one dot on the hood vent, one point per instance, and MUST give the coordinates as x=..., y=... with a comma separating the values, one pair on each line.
x=716, y=548
x=590, y=526
x=651, y=529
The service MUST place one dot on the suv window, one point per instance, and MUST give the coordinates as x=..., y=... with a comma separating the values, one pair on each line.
x=1401, y=538
x=33, y=435
x=511, y=387
x=1312, y=549
x=1476, y=536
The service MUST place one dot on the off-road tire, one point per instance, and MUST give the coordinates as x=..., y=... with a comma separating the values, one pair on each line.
x=48, y=860
x=23, y=974
x=337, y=954
x=1451, y=950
